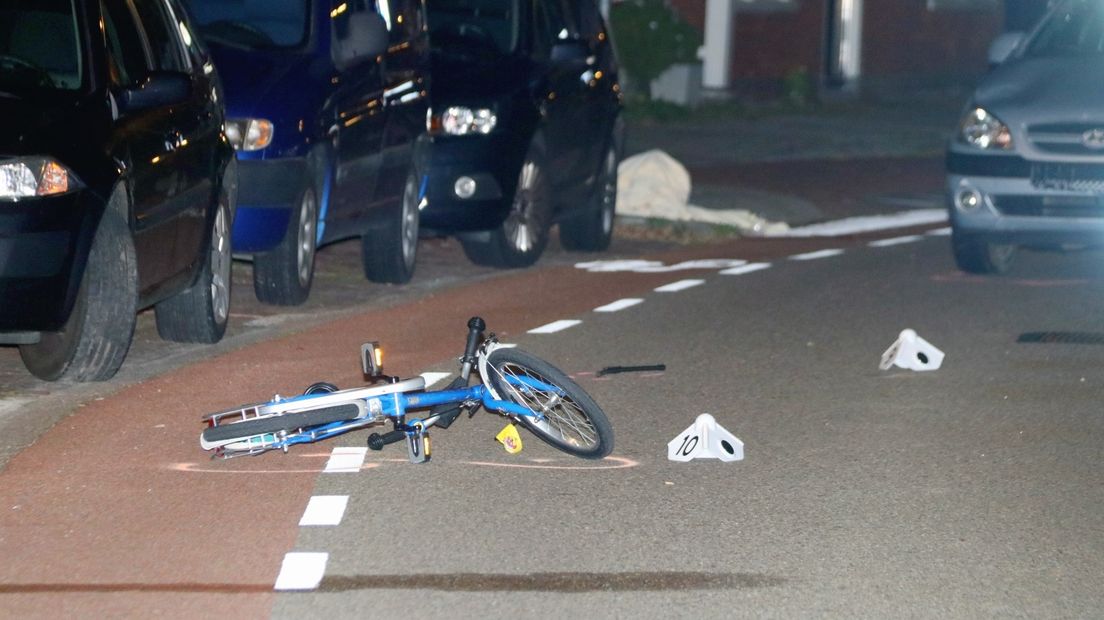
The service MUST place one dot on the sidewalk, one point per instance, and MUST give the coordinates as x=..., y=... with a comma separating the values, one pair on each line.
x=830, y=162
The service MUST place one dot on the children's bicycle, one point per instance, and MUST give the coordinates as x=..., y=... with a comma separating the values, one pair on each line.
x=515, y=385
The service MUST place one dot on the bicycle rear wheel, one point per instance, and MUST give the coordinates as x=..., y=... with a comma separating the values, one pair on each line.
x=277, y=423
x=572, y=421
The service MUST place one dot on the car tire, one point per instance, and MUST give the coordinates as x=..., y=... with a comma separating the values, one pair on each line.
x=973, y=253
x=200, y=313
x=521, y=238
x=94, y=341
x=592, y=230
x=389, y=252
x=283, y=276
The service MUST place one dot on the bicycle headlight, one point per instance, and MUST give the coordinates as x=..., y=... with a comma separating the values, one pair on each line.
x=27, y=177
x=371, y=359
x=249, y=134
x=462, y=121
x=982, y=130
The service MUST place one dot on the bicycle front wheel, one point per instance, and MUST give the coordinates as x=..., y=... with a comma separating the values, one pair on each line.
x=571, y=421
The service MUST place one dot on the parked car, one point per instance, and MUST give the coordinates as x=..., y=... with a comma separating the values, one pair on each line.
x=526, y=127
x=327, y=103
x=1026, y=167
x=117, y=184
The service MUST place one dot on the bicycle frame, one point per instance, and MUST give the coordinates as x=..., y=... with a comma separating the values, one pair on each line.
x=393, y=406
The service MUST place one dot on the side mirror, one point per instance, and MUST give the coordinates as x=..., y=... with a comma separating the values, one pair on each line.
x=159, y=88
x=570, y=50
x=366, y=38
x=1003, y=46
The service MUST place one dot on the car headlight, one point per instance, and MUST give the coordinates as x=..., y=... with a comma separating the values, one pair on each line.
x=982, y=130
x=462, y=121
x=25, y=177
x=249, y=134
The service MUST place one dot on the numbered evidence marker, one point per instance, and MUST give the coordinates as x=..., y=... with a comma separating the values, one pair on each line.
x=912, y=353
x=705, y=439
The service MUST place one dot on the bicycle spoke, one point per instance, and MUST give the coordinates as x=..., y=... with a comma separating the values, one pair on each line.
x=562, y=416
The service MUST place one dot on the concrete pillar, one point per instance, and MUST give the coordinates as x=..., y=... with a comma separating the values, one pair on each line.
x=717, y=50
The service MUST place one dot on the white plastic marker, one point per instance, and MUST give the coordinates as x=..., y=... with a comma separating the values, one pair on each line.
x=705, y=439
x=302, y=571
x=912, y=353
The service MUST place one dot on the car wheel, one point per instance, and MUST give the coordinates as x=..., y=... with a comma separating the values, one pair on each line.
x=592, y=230
x=521, y=238
x=93, y=343
x=283, y=276
x=200, y=313
x=390, y=251
x=974, y=254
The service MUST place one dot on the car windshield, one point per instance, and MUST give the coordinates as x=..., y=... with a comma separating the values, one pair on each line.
x=253, y=23
x=1075, y=28
x=39, y=49
x=487, y=24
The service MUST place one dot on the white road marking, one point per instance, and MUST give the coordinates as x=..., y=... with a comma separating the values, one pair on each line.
x=681, y=285
x=302, y=571
x=869, y=223
x=325, y=510
x=748, y=268
x=620, y=304
x=433, y=378
x=346, y=460
x=555, y=326
x=817, y=254
x=885, y=243
x=940, y=232
x=654, y=266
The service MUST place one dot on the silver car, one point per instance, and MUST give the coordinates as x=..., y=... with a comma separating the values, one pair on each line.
x=1026, y=166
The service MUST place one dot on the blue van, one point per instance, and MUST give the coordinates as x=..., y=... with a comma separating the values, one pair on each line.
x=326, y=103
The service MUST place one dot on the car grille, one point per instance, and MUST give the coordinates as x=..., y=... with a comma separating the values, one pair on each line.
x=1068, y=138
x=1068, y=177
x=1050, y=206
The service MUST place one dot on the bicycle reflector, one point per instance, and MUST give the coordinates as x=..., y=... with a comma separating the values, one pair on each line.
x=371, y=359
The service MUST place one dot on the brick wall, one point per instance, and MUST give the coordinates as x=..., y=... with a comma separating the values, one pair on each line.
x=901, y=38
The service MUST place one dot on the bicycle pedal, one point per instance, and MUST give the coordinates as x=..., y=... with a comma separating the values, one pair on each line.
x=448, y=414
x=417, y=447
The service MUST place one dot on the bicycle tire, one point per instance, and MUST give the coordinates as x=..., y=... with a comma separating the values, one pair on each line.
x=573, y=422
x=277, y=423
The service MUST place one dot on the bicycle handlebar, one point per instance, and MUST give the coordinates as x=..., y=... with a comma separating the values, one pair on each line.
x=476, y=325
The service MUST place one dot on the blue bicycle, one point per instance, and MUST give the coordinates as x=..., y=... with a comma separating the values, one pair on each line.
x=515, y=384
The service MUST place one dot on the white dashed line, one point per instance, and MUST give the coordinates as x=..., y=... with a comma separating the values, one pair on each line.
x=681, y=285
x=620, y=304
x=818, y=254
x=325, y=510
x=940, y=232
x=885, y=243
x=433, y=378
x=346, y=460
x=750, y=267
x=301, y=571
x=555, y=326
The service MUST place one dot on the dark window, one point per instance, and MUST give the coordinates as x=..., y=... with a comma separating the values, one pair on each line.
x=589, y=19
x=1076, y=28
x=549, y=25
x=162, y=35
x=126, y=51
x=40, y=46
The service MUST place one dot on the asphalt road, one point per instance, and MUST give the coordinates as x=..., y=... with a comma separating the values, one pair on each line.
x=969, y=491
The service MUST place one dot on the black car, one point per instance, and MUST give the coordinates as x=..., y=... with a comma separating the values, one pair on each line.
x=526, y=127
x=117, y=183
